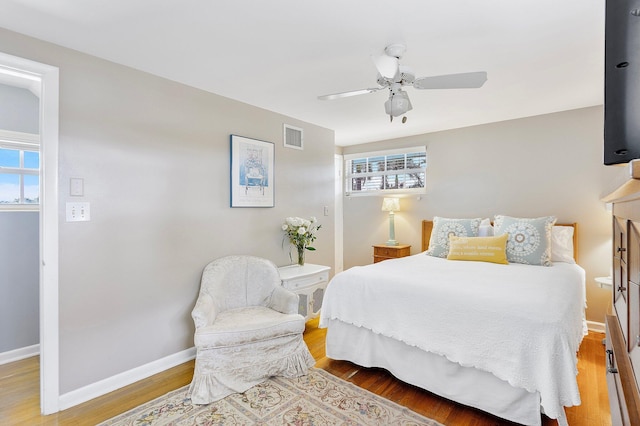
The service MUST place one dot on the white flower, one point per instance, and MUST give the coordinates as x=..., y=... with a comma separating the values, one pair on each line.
x=300, y=232
x=295, y=221
x=313, y=219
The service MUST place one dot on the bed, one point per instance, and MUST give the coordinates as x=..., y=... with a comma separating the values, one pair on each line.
x=500, y=338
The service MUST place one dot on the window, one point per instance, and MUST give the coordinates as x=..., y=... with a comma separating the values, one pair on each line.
x=19, y=173
x=397, y=171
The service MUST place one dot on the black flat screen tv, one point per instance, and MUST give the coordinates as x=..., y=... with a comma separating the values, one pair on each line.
x=622, y=81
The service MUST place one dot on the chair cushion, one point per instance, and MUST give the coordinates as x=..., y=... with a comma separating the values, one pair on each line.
x=249, y=324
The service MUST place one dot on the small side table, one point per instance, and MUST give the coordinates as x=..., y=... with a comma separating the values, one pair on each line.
x=604, y=282
x=309, y=282
x=384, y=252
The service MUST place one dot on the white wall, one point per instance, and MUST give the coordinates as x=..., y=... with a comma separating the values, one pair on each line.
x=538, y=166
x=154, y=156
x=19, y=314
x=18, y=110
x=19, y=255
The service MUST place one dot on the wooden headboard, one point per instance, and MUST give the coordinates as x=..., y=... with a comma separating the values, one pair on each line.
x=427, y=227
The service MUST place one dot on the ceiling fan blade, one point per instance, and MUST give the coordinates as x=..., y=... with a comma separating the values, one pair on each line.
x=467, y=80
x=386, y=65
x=347, y=94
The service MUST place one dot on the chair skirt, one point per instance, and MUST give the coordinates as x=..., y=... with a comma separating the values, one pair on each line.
x=221, y=371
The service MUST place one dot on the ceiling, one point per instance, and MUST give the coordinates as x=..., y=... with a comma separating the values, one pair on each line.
x=541, y=56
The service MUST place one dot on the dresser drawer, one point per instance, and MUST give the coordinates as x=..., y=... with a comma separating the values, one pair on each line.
x=617, y=404
x=383, y=252
x=387, y=252
x=624, y=398
x=302, y=282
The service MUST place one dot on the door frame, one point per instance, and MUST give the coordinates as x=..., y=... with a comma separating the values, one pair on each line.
x=49, y=267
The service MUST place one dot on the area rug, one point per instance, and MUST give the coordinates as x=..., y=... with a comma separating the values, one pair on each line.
x=317, y=399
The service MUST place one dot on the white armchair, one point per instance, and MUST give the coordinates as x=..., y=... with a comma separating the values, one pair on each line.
x=247, y=329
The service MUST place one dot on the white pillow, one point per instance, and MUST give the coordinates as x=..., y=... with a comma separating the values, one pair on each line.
x=485, y=229
x=562, y=244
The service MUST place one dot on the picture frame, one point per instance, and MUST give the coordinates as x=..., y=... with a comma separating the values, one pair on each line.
x=252, y=171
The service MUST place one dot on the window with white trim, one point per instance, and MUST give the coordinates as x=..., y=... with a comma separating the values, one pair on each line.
x=19, y=171
x=393, y=171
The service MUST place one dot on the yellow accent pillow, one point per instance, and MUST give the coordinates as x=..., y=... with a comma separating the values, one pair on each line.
x=481, y=249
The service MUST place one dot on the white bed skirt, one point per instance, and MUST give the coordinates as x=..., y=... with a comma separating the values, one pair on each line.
x=466, y=385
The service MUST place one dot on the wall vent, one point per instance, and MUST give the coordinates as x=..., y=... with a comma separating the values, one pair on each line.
x=293, y=137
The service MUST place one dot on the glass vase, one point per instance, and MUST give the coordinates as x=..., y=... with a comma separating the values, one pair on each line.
x=300, y=255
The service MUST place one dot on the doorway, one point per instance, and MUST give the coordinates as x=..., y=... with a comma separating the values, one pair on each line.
x=46, y=77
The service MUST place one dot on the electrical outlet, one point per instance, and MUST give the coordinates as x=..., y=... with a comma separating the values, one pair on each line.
x=78, y=212
x=326, y=210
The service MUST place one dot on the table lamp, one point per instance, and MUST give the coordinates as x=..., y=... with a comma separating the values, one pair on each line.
x=391, y=205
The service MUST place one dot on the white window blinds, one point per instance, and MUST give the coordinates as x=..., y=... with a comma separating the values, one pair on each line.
x=393, y=171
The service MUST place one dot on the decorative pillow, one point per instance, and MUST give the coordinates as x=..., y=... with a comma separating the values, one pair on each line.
x=529, y=239
x=481, y=249
x=444, y=227
x=562, y=244
x=485, y=229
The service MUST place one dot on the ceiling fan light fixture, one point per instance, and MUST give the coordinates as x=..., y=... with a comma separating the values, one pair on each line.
x=394, y=77
x=398, y=104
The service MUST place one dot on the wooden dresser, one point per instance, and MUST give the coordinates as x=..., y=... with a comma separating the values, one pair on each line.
x=623, y=325
x=383, y=252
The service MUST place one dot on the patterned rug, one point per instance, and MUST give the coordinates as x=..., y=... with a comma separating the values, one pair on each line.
x=317, y=399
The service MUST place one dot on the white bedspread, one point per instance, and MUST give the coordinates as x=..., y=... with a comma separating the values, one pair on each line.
x=522, y=323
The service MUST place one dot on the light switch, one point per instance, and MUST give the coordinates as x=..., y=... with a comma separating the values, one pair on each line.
x=76, y=187
x=78, y=212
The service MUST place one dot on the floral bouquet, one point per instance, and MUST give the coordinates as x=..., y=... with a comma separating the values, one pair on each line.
x=301, y=232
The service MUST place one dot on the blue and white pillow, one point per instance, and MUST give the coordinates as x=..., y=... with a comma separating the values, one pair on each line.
x=444, y=227
x=529, y=239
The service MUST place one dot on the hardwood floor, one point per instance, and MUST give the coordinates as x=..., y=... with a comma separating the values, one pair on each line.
x=19, y=391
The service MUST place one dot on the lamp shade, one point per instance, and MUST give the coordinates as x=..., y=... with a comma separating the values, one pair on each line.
x=391, y=205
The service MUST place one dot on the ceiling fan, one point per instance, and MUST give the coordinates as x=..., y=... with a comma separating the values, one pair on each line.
x=393, y=76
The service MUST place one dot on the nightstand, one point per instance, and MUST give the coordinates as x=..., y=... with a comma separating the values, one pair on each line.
x=309, y=283
x=604, y=282
x=384, y=252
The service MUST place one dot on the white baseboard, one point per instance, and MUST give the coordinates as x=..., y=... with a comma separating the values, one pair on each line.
x=123, y=379
x=18, y=354
x=94, y=390
x=595, y=326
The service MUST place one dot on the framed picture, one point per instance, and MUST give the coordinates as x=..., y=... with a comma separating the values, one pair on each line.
x=252, y=163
